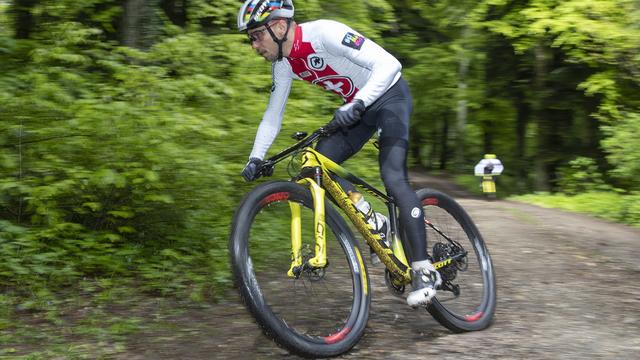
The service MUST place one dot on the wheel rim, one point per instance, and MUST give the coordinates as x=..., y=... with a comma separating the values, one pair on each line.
x=319, y=305
x=474, y=282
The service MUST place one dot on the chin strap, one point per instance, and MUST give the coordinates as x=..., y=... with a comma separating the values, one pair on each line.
x=280, y=41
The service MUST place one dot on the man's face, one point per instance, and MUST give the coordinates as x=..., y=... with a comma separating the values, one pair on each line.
x=262, y=41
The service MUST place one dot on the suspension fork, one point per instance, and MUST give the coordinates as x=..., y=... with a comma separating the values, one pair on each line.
x=319, y=260
x=296, y=238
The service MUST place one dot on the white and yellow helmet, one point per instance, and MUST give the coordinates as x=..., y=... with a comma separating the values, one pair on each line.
x=254, y=13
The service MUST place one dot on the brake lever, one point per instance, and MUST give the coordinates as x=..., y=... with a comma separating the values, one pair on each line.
x=266, y=168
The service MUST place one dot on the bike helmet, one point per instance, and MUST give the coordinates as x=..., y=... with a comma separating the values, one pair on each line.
x=254, y=13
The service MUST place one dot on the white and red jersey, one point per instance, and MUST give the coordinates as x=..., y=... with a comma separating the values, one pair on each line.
x=334, y=56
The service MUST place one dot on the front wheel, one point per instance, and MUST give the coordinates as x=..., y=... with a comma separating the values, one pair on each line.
x=319, y=312
x=466, y=300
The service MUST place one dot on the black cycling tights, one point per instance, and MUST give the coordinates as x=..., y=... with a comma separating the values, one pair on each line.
x=389, y=115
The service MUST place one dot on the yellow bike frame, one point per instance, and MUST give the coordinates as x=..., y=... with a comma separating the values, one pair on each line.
x=394, y=257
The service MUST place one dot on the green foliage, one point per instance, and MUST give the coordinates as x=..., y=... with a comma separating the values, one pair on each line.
x=623, y=147
x=101, y=162
x=608, y=205
x=581, y=175
x=589, y=46
x=116, y=162
x=370, y=18
x=121, y=163
x=473, y=184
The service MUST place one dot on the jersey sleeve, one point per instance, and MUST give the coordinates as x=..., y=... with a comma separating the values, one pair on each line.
x=272, y=118
x=340, y=40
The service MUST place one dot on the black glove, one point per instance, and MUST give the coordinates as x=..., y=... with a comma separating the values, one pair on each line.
x=255, y=168
x=250, y=171
x=348, y=114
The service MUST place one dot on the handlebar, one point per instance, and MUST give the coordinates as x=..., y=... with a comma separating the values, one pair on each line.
x=266, y=167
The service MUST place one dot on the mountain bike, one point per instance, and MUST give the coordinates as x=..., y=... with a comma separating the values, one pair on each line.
x=299, y=268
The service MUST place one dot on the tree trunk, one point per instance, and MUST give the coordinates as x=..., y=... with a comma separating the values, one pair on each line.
x=414, y=146
x=543, y=119
x=522, y=119
x=131, y=23
x=140, y=26
x=594, y=134
x=488, y=138
x=24, y=21
x=462, y=108
x=444, y=150
x=176, y=11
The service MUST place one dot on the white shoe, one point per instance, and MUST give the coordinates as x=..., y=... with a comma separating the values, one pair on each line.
x=425, y=280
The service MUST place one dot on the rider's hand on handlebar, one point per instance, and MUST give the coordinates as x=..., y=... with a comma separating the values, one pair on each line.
x=347, y=115
x=251, y=169
x=256, y=168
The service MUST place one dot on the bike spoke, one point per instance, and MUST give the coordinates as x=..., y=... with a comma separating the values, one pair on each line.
x=466, y=299
x=319, y=301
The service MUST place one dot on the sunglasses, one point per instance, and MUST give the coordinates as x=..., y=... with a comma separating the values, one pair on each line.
x=257, y=35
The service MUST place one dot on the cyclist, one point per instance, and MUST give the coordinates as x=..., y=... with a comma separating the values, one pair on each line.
x=332, y=55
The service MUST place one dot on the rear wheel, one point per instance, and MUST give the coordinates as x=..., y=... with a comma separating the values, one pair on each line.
x=466, y=300
x=319, y=312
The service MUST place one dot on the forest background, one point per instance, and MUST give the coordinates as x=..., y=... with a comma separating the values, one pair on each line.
x=125, y=124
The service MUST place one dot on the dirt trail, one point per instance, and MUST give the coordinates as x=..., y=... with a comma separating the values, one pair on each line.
x=568, y=288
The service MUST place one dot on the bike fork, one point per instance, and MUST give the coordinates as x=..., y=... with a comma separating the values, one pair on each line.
x=320, y=257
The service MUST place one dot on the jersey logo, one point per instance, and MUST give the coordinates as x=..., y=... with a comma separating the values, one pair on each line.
x=316, y=62
x=353, y=41
x=338, y=84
